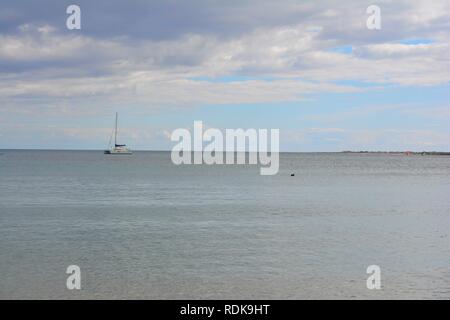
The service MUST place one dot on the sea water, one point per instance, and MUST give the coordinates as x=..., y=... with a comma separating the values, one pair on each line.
x=140, y=227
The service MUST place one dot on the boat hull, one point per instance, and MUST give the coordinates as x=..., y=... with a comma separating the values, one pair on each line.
x=112, y=152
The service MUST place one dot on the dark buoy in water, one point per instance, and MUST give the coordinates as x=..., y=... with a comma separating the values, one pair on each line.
x=292, y=174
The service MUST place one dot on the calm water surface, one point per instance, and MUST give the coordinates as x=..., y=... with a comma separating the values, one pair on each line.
x=141, y=227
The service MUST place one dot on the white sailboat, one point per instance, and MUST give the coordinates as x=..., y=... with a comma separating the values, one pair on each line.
x=118, y=148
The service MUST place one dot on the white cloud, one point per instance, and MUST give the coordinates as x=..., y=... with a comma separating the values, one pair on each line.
x=161, y=72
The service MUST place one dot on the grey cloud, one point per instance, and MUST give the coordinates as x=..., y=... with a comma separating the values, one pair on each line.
x=168, y=19
x=150, y=51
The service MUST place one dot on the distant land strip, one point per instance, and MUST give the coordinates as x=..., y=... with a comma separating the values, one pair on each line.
x=422, y=153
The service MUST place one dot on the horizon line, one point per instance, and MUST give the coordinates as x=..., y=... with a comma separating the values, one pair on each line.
x=159, y=150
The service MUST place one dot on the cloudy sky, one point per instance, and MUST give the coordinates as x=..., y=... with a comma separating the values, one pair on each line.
x=310, y=68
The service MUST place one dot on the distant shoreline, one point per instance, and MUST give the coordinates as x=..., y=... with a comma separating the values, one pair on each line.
x=422, y=153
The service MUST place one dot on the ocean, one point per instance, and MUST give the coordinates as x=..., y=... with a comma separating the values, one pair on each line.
x=140, y=227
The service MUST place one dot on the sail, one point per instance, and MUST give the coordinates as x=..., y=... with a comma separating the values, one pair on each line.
x=118, y=148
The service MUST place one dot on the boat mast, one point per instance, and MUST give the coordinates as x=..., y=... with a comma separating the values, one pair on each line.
x=115, y=133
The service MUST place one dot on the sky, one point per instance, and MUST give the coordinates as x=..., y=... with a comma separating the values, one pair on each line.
x=311, y=69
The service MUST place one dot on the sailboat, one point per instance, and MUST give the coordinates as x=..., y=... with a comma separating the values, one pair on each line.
x=118, y=148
